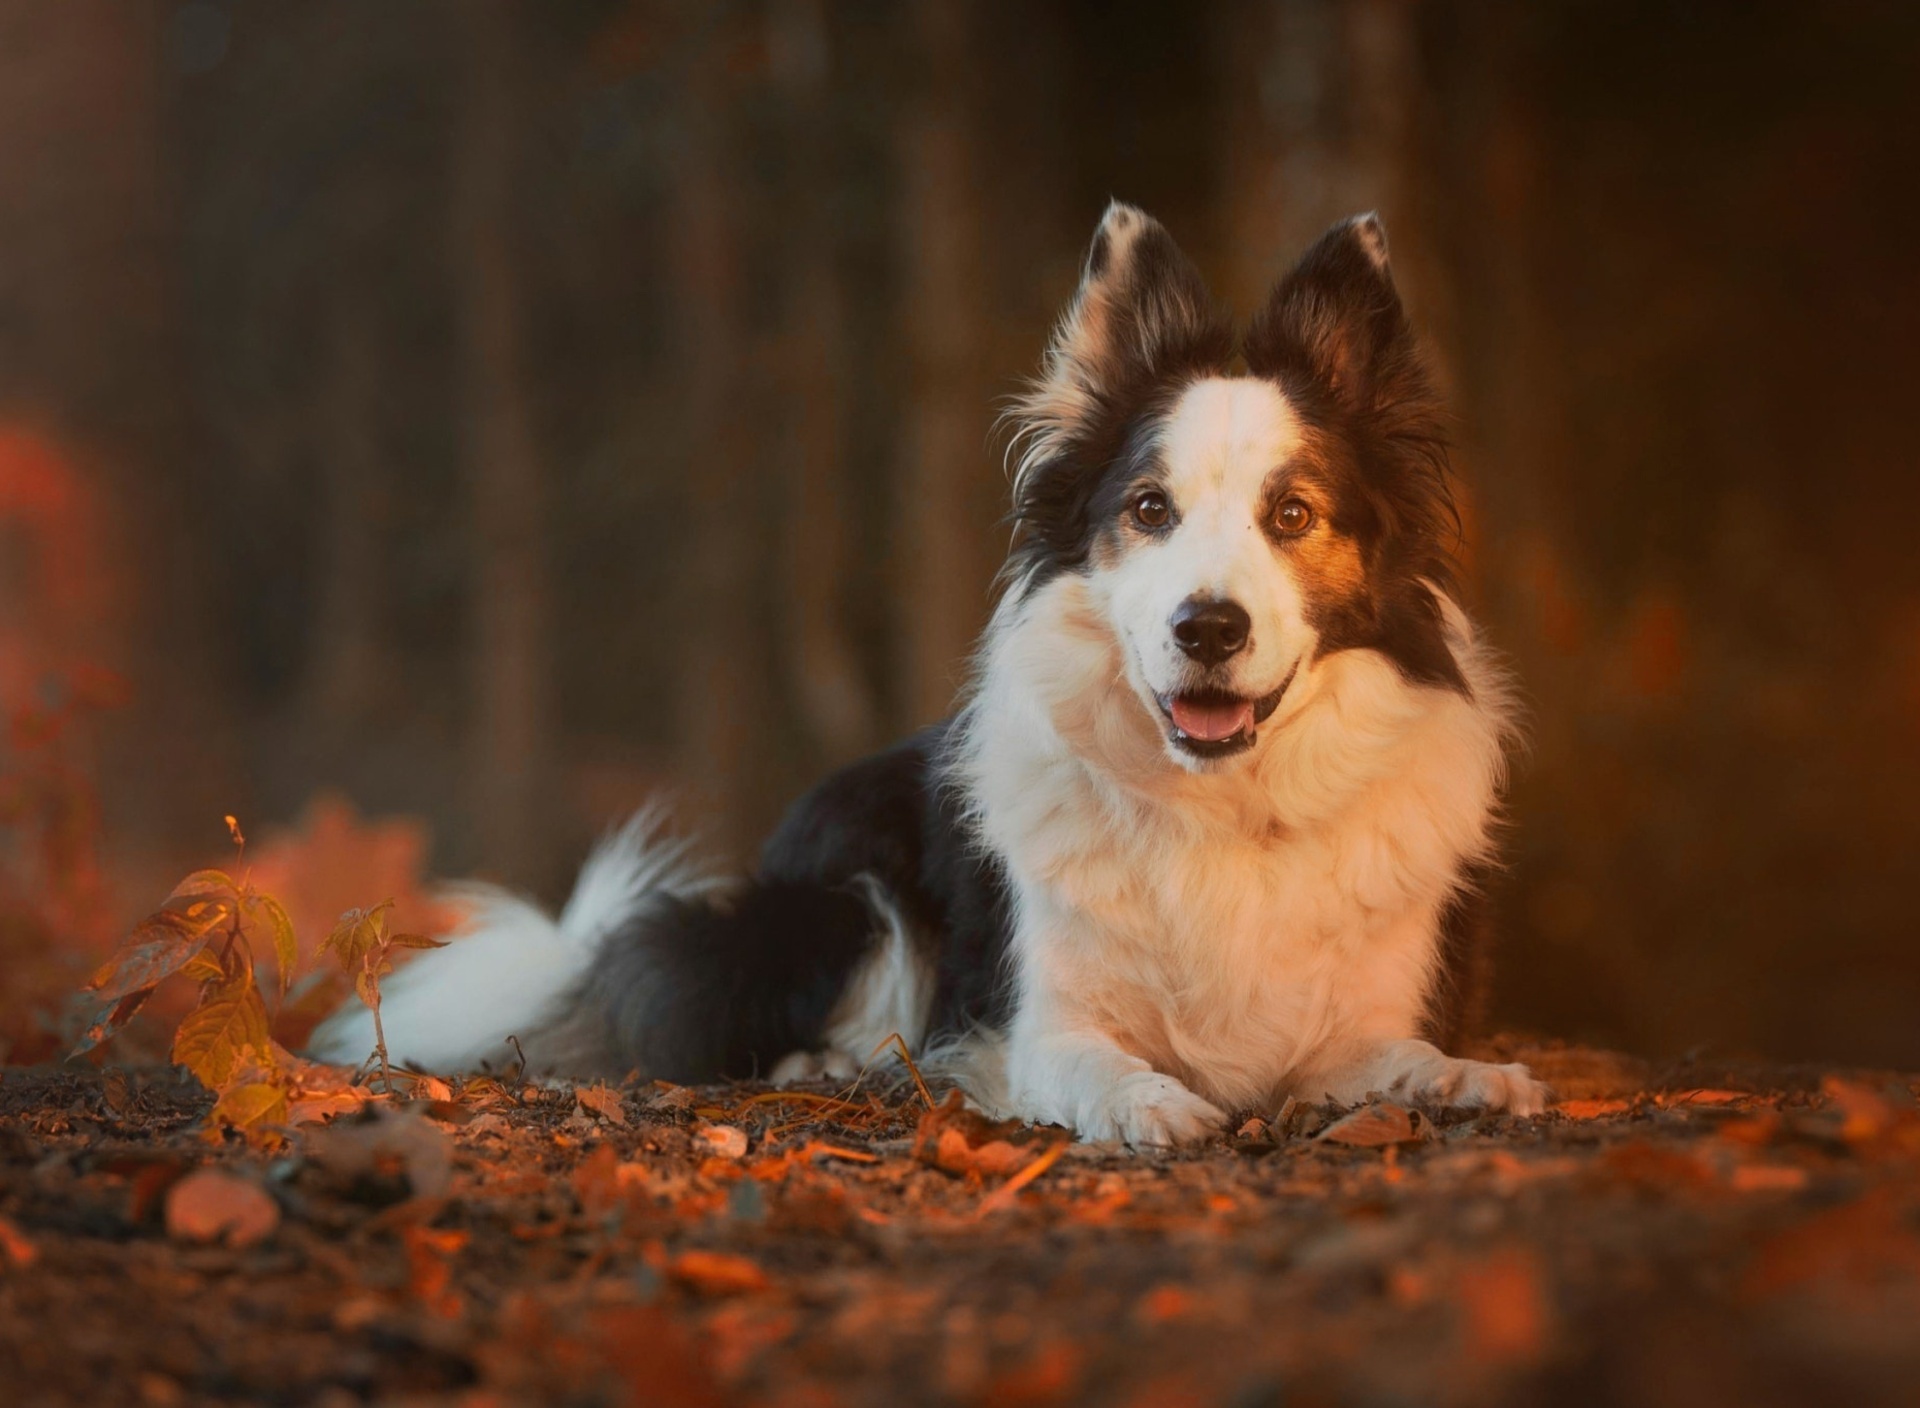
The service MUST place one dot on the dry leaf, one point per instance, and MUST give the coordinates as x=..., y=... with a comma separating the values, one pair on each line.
x=15, y=1250
x=1592, y=1109
x=264, y=911
x=1707, y=1098
x=1767, y=1178
x=253, y=1104
x=1371, y=1126
x=716, y=1273
x=604, y=1101
x=957, y=1140
x=167, y=938
x=209, y=1205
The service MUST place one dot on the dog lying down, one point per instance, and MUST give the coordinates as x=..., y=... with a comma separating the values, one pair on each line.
x=1206, y=828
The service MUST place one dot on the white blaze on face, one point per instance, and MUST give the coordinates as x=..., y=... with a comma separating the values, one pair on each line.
x=1218, y=450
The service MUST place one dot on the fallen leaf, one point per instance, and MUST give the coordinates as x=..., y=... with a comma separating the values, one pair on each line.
x=1371, y=1126
x=210, y=1205
x=604, y=1101
x=1003, y=1196
x=1592, y=1109
x=1675, y=1099
x=716, y=1273
x=959, y=1141
x=1767, y=1178
x=15, y=1249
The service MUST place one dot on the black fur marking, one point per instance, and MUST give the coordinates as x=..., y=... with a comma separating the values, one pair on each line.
x=1161, y=332
x=1335, y=338
x=695, y=990
x=893, y=817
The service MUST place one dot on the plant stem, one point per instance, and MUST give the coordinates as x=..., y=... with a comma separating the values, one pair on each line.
x=380, y=1041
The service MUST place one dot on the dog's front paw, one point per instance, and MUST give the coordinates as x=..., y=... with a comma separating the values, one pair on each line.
x=1433, y=1078
x=1152, y=1111
x=800, y=1066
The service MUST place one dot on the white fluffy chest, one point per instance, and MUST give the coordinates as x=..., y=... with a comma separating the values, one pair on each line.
x=1236, y=927
x=1236, y=962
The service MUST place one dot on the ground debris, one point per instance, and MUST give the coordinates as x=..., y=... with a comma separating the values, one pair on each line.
x=1753, y=1230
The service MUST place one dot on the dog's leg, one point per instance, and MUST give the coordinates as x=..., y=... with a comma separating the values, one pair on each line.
x=1421, y=1073
x=798, y=1066
x=1062, y=1069
x=1085, y=1081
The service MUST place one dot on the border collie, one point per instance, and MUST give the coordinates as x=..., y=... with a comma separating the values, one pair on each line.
x=1206, y=829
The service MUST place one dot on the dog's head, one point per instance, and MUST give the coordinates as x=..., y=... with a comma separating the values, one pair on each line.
x=1237, y=522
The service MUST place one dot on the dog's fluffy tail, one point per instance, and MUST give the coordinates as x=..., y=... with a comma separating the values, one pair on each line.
x=511, y=970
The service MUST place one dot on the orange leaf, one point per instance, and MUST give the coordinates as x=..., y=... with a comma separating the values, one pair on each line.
x=226, y=1031
x=604, y=1101
x=265, y=909
x=158, y=947
x=253, y=1104
x=15, y=1249
x=717, y=1273
x=1592, y=1109
x=1371, y=1126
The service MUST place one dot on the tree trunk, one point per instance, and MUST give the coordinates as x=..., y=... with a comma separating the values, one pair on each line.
x=834, y=697
x=715, y=627
x=510, y=661
x=946, y=433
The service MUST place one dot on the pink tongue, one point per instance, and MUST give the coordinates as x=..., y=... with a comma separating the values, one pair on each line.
x=1211, y=722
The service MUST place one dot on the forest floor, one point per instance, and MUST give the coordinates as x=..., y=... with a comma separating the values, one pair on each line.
x=1692, y=1235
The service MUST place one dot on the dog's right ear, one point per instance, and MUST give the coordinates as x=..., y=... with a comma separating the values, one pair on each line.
x=1141, y=311
x=1142, y=315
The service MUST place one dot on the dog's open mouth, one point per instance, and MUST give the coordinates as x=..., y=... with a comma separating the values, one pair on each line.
x=1216, y=723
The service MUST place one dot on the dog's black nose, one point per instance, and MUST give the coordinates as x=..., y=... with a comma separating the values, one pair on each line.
x=1211, y=631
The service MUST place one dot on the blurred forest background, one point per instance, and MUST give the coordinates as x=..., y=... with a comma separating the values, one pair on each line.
x=430, y=427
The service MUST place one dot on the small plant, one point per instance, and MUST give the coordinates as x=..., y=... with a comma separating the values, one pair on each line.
x=365, y=948
x=208, y=930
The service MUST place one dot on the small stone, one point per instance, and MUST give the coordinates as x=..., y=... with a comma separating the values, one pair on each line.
x=723, y=1140
x=209, y=1205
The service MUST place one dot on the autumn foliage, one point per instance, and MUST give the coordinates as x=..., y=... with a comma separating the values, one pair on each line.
x=216, y=931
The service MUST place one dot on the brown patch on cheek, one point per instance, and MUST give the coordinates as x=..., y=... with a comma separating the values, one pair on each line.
x=1333, y=578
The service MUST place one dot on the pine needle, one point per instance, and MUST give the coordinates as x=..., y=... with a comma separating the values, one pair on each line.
x=1003, y=1196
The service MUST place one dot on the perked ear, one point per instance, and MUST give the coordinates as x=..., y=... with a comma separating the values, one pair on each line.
x=1142, y=313
x=1336, y=319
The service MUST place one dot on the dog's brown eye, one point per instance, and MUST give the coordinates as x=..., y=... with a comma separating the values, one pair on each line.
x=1293, y=517
x=1151, y=509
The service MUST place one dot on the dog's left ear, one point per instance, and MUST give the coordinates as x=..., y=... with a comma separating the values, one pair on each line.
x=1336, y=319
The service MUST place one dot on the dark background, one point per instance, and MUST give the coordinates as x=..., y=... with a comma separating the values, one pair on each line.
x=497, y=413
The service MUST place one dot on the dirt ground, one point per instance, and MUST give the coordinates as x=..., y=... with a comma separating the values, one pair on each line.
x=1690, y=1235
